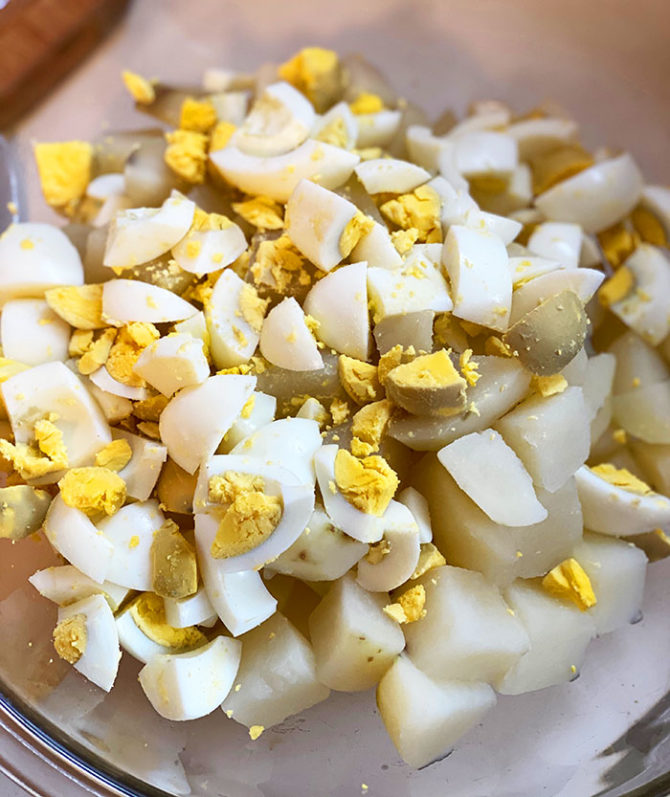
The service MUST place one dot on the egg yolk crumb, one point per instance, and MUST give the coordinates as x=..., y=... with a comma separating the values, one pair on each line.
x=617, y=243
x=404, y=240
x=357, y=227
x=70, y=638
x=620, y=477
x=549, y=385
x=130, y=342
x=368, y=427
x=495, y=347
x=262, y=212
x=617, y=287
x=198, y=116
x=569, y=581
x=248, y=407
x=419, y=210
x=253, y=308
x=223, y=487
x=410, y=605
x=315, y=72
x=368, y=484
x=50, y=441
x=377, y=551
x=186, y=154
x=139, y=88
x=174, y=570
x=367, y=103
x=334, y=133
x=148, y=612
x=64, y=170
x=249, y=520
x=388, y=361
x=203, y=221
x=339, y=411
x=359, y=379
x=27, y=460
x=429, y=558
x=93, y=490
x=648, y=227
x=279, y=264
x=221, y=135
x=468, y=368
x=115, y=455
x=97, y=352
x=255, y=731
x=150, y=409
x=79, y=305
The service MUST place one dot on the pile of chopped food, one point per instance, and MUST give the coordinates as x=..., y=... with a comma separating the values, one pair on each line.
x=311, y=395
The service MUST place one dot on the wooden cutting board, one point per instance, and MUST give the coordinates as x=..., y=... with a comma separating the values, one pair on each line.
x=41, y=41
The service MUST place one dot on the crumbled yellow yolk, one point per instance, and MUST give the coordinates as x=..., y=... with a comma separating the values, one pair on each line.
x=620, y=477
x=410, y=606
x=203, y=221
x=150, y=429
x=10, y=368
x=174, y=569
x=255, y=731
x=419, y=210
x=368, y=427
x=359, y=379
x=70, y=638
x=97, y=352
x=556, y=165
x=139, y=88
x=367, y=103
x=334, y=133
x=27, y=460
x=186, y=154
x=197, y=116
x=569, y=581
x=468, y=368
x=278, y=264
x=620, y=436
x=316, y=73
x=93, y=490
x=429, y=558
x=549, y=385
x=80, y=342
x=495, y=347
x=134, y=541
x=150, y=409
x=262, y=212
x=617, y=243
x=617, y=287
x=404, y=240
x=339, y=411
x=357, y=227
x=388, y=361
x=65, y=171
x=224, y=487
x=428, y=371
x=648, y=227
x=79, y=305
x=49, y=440
x=248, y=407
x=148, y=612
x=130, y=342
x=252, y=307
x=249, y=520
x=368, y=484
x=377, y=551
x=221, y=135
x=115, y=455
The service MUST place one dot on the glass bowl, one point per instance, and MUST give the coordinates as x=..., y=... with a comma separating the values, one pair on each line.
x=608, y=733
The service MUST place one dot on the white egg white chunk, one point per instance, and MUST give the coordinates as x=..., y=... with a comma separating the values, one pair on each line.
x=65, y=584
x=53, y=388
x=321, y=553
x=99, y=662
x=204, y=251
x=597, y=197
x=32, y=333
x=656, y=198
x=613, y=510
x=535, y=136
x=195, y=325
x=377, y=129
x=401, y=533
x=494, y=477
x=134, y=641
x=315, y=221
x=124, y=301
x=425, y=718
x=526, y=267
x=506, y=229
x=173, y=362
x=645, y=310
x=590, y=255
x=488, y=119
x=288, y=442
x=262, y=413
x=339, y=302
x=103, y=380
x=278, y=175
x=340, y=112
x=193, y=610
x=286, y=341
x=196, y=419
x=423, y=147
x=131, y=532
x=240, y=599
x=139, y=235
x=376, y=249
x=582, y=281
x=114, y=408
x=418, y=506
x=142, y=471
x=556, y=240
x=280, y=120
x=457, y=204
x=186, y=686
x=115, y=203
x=381, y=175
x=359, y=525
x=485, y=152
x=313, y=410
x=481, y=284
x=232, y=340
x=34, y=258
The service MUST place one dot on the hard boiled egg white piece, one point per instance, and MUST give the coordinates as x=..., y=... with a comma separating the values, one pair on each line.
x=232, y=339
x=134, y=641
x=185, y=686
x=32, y=333
x=506, y=229
x=138, y=235
x=194, y=610
x=196, y=419
x=582, y=281
x=65, y=585
x=204, y=251
x=124, y=301
x=485, y=153
x=597, y=197
x=339, y=302
x=262, y=413
x=142, y=471
x=376, y=249
x=339, y=116
x=34, y=258
x=556, y=240
x=286, y=341
x=526, y=267
x=100, y=659
x=418, y=506
x=173, y=362
x=377, y=129
x=456, y=202
x=381, y=175
x=278, y=175
x=103, y=380
x=535, y=136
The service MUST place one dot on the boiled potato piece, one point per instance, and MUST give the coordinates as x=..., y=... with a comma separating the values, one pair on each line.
x=428, y=385
x=354, y=641
x=406, y=329
x=467, y=633
x=469, y=538
x=616, y=570
x=645, y=412
x=549, y=435
x=548, y=337
x=423, y=717
x=173, y=563
x=22, y=510
x=559, y=634
x=597, y=384
x=654, y=460
x=276, y=677
x=638, y=365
